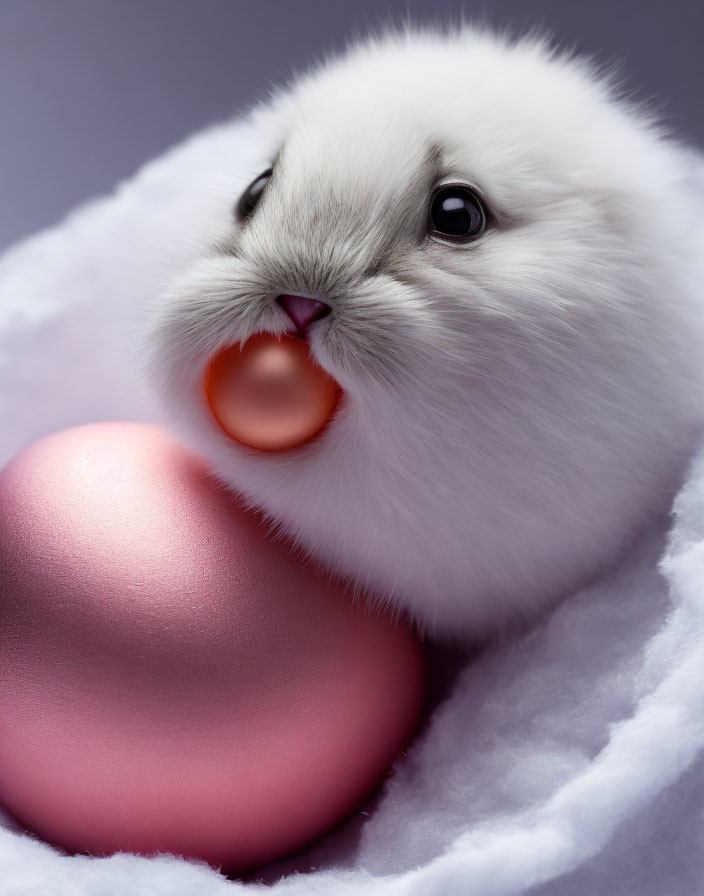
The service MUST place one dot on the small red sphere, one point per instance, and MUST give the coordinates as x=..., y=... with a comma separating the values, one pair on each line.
x=270, y=394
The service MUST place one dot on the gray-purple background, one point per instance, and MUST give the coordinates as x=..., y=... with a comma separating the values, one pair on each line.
x=89, y=89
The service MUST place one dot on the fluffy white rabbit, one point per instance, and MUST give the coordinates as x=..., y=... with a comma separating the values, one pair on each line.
x=506, y=251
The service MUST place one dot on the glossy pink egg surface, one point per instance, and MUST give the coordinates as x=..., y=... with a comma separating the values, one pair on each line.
x=171, y=678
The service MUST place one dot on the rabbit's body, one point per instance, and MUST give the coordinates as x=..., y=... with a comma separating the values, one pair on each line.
x=514, y=408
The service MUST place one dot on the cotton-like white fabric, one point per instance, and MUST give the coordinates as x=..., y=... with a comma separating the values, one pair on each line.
x=568, y=763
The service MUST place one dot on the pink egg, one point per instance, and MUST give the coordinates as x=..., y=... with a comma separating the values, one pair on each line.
x=172, y=679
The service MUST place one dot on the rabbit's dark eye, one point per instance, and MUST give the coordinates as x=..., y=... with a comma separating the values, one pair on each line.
x=458, y=213
x=252, y=195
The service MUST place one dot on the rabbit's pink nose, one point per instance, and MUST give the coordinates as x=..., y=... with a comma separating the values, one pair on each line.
x=303, y=311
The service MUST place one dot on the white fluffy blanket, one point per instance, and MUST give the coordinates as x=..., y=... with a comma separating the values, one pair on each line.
x=569, y=763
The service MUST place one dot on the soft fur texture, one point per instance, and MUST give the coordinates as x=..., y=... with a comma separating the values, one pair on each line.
x=568, y=763
x=515, y=410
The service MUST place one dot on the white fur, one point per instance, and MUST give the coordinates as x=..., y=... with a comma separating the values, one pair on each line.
x=514, y=410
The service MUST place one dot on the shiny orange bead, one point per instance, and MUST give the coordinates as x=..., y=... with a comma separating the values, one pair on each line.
x=270, y=394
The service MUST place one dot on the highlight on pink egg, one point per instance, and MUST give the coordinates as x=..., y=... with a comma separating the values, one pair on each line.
x=270, y=394
x=172, y=680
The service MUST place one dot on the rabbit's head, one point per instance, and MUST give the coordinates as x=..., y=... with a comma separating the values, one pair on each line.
x=504, y=251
